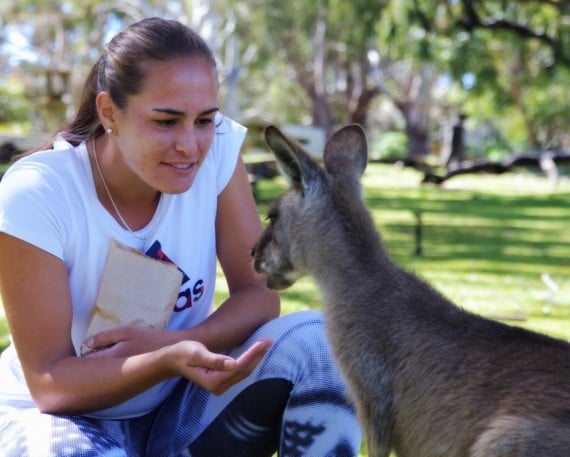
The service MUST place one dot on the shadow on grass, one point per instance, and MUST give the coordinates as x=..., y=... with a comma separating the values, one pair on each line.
x=486, y=245
x=526, y=230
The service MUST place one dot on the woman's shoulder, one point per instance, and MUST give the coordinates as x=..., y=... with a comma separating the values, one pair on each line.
x=222, y=157
x=226, y=125
x=229, y=133
x=63, y=159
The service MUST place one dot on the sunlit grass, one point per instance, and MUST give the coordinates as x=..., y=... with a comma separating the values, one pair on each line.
x=496, y=245
x=488, y=242
x=492, y=244
x=4, y=335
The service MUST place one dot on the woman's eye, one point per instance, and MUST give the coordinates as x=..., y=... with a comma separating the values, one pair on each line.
x=166, y=122
x=205, y=121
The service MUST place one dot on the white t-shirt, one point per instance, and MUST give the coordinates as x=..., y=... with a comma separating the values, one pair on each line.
x=48, y=199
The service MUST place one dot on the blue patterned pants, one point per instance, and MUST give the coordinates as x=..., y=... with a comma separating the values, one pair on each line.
x=294, y=404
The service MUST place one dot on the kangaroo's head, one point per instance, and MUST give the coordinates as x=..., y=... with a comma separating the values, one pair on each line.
x=304, y=214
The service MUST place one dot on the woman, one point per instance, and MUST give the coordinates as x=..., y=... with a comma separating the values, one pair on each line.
x=149, y=162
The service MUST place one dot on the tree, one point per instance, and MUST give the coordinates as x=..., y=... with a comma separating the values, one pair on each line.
x=516, y=51
x=325, y=47
x=327, y=62
x=409, y=75
x=63, y=43
x=337, y=53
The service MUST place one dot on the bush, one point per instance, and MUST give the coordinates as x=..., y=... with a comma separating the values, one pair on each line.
x=391, y=145
x=13, y=106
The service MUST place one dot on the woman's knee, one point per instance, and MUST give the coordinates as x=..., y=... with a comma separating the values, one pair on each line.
x=300, y=348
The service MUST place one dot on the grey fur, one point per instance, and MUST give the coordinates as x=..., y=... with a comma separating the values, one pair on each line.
x=428, y=378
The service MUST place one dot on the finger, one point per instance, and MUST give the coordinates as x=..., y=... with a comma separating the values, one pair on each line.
x=213, y=363
x=103, y=339
x=217, y=373
x=217, y=381
x=201, y=357
x=101, y=352
x=243, y=367
x=254, y=354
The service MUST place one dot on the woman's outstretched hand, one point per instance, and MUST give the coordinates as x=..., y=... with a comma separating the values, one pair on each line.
x=215, y=372
x=190, y=359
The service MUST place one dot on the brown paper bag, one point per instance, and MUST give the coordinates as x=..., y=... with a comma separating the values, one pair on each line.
x=135, y=290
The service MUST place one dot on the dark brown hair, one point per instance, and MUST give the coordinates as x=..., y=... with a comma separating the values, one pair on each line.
x=119, y=72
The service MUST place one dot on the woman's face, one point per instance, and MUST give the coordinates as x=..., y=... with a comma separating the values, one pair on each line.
x=166, y=130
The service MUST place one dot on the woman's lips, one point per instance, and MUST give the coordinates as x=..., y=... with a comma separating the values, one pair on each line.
x=182, y=166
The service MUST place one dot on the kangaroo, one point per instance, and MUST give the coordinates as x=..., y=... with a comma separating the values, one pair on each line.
x=428, y=379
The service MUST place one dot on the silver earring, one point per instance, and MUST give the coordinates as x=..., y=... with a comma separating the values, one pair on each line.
x=109, y=130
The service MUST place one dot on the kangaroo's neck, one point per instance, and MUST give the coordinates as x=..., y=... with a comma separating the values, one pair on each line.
x=347, y=247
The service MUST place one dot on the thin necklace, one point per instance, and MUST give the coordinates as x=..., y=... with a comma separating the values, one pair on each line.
x=131, y=231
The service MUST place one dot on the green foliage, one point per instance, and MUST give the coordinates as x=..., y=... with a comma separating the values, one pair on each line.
x=390, y=145
x=354, y=23
x=4, y=334
x=516, y=52
x=14, y=107
x=520, y=76
x=402, y=34
x=289, y=26
x=549, y=106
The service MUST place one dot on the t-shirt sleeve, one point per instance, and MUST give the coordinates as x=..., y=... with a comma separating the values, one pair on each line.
x=226, y=148
x=31, y=206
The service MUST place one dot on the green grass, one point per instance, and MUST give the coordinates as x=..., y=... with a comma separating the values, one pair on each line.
x=488, y=241
x=4, y=335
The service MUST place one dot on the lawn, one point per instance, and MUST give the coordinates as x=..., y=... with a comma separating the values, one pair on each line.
x=493, y=244
x=496, y=245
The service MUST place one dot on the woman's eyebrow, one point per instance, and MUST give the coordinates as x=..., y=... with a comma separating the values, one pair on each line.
x=174, y=112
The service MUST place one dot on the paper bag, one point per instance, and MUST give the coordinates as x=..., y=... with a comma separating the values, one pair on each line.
x=135, y=290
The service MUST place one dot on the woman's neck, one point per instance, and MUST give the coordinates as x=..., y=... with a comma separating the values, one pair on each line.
x=130, y=204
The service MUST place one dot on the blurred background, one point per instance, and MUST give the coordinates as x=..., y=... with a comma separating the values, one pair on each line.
x=434, y=82
x=465, y=104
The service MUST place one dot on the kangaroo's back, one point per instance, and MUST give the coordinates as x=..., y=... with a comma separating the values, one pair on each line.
x=428, y=378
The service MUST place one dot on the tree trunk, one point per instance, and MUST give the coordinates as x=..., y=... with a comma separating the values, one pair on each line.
x=360, y=114
x=416, y=130
x=453, y=154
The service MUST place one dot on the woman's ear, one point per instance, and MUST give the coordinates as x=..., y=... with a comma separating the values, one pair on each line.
x=106, y=110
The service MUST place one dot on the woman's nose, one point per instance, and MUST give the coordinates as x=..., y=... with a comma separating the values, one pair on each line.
x=186, y=142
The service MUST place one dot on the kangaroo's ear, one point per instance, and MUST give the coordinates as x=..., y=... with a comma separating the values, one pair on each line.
x=346, y=152
x=293, y=162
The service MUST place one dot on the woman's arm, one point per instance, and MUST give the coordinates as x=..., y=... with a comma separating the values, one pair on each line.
x=250, y=303
x=35, y=293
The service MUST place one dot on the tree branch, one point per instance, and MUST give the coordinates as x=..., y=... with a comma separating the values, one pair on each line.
x=487, y=166
x=471, y=20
